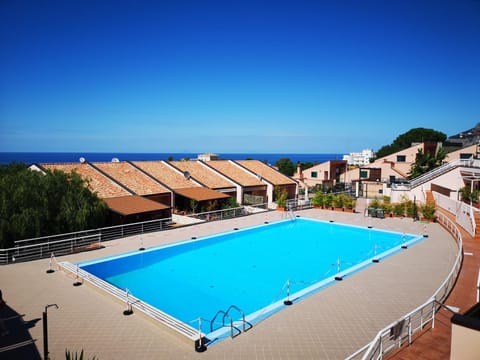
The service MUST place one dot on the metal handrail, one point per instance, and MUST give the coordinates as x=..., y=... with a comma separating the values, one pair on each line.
x=375, y=349
x=132, y=301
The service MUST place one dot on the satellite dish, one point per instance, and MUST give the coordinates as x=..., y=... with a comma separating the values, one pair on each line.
x=187, y=175
x=82, y=160
x=115, y=160
x=259, y=177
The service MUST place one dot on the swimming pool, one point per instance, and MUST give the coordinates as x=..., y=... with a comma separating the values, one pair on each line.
x=255, y=269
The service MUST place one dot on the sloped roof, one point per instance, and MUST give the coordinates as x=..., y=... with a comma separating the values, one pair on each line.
x=133, y=204
x=98, y=182
x=266, y=172
x=164, y=173
x=203, y=174
x=235, y=172
x=129, y=176
x=201, y=194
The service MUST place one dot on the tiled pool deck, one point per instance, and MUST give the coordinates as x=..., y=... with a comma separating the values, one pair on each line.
x=331, y=324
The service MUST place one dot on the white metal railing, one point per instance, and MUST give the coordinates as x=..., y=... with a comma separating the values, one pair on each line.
x=228, y=213
x=464, y=213
x=440, y=170
x=41, y=247
x=131, y=301
x=37, y=248
x=402, y=330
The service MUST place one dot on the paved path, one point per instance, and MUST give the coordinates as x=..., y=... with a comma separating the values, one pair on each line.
x=331, y=324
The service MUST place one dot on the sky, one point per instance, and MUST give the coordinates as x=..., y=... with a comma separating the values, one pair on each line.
x=234, y=76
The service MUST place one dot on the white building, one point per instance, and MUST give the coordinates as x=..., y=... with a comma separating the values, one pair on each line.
x=359, y=158
x=207, y=157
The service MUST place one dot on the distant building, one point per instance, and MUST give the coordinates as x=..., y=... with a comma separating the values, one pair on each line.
x=359, y=158
x=207, y=157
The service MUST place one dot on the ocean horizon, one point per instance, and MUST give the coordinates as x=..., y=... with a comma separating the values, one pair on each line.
x=71, y=157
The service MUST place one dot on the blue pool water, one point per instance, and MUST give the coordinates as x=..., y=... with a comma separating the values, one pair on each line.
x=249, y=268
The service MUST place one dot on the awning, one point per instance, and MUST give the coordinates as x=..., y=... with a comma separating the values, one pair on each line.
x=133, y=204
x=201, y=194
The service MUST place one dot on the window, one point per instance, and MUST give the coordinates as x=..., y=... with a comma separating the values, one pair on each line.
x=314, y=174
x=401, y=158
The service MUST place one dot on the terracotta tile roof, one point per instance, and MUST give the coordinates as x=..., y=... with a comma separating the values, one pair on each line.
x=133, y=204
x=201, y=194
x=234, y=172
x=165, y=174
x=99, y=183
x=129, y=176
x=206, y=176
x=266, y=172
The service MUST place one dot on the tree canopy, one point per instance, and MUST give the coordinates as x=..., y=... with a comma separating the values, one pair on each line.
x=405, y=140
x=34, y=204
x=285, y=166
x=425, y=162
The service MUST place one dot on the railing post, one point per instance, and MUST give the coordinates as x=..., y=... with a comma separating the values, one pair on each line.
x=410, y=332
x=433, y=314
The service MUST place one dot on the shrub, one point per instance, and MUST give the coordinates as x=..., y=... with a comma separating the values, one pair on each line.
x=328, y=200
x=428, y=211
x=375, y=203
x=318, y=199
x=338, y=201
x=281, y=197
x=399, y=209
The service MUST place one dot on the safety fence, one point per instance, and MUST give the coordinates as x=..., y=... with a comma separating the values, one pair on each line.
x=42, y=247
x=61, y=244
x=401, y=331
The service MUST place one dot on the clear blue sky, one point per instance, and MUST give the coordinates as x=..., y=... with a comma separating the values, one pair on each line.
x=234, y=76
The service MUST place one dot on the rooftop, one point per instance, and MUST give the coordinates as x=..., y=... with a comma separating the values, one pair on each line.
x=203, y=174
x=132, y=178
x=98, y=182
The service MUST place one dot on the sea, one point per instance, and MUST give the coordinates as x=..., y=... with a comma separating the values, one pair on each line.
x=69, y=157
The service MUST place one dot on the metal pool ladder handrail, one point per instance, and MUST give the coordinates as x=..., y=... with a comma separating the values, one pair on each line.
x=226, y=314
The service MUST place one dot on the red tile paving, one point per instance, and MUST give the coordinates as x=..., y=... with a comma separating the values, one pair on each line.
x=434, y=343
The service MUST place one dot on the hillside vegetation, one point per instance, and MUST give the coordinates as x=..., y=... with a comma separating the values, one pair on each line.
x=33, y=204
x=405, y=140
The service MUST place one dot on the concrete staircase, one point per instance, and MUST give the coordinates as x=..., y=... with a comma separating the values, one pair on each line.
x=429, y=197
x=477, y=221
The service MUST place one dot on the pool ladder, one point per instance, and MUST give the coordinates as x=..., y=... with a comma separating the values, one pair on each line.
x=234, y=330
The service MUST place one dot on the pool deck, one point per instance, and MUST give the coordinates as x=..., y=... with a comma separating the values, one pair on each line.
x=330, y=324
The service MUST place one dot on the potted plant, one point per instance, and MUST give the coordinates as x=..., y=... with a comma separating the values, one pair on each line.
x=327, y=201
x=281, y=198
x=349, y=204
x=338, y=202
x=428, y=211
x=317, y=200
x=398, y=209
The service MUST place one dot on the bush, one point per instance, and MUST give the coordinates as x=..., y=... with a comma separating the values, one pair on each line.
x=428, y=211
x=318, y=199
x=281, y=197
x=338, y=201
x=398, y=209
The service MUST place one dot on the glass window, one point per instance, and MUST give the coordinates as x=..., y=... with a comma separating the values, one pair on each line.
x=314, y=174
x=401, y=158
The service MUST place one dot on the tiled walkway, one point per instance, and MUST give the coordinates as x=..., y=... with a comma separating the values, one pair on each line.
x=331, y=324
x=434, y=344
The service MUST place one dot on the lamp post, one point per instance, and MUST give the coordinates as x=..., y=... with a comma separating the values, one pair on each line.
x=415, y=216
x=45, y=332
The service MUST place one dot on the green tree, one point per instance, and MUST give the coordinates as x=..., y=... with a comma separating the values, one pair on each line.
x=285, y=166
x=425, y=162
x=33, y=204
x=405, y=140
